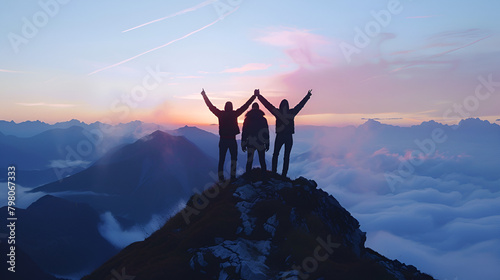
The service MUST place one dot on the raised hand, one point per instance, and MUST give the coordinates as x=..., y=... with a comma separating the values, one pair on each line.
x=309, y=92
x=256, y=92
x=203, y=91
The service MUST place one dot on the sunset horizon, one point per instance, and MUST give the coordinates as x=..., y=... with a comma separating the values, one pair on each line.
x=356, y=121
x=391, y=60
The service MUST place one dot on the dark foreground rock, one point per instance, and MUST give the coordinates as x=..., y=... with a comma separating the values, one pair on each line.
x=257, y=229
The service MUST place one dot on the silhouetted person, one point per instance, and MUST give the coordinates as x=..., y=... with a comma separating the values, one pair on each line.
x=228, y=129
x=255, y=137
x=285, y=127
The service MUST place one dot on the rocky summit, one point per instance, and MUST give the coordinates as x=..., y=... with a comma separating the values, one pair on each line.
x=257, y=227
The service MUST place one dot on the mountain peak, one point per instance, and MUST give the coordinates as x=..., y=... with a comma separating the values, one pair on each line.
x=430, y=123
x=157, y=135
x=71, y=122
x=258, y=229
x=473, y=123
x=371, y=123
x=187, y=127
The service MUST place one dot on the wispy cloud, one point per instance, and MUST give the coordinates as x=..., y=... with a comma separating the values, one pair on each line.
x=191, y=9
x=300, y=45
x=289, y=37
x=43, y=104
x=13, y=71
x=188, y=77
x=382, y=119
x=248, y=67
x=416, y=17
x=162, y=46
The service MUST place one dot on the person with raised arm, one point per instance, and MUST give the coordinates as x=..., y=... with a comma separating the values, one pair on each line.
x=228, y=129
x=285, y=128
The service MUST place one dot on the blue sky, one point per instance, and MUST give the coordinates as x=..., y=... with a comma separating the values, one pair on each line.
x=419, y=62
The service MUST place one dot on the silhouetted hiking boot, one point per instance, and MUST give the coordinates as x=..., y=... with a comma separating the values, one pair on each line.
x=247, y=176
x=285, y=178
x=264, y=176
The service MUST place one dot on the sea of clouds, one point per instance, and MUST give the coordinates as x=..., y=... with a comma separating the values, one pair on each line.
x=437, y=208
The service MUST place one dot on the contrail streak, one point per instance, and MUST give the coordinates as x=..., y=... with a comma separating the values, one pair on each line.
x=194, y=8
x=12, y=71
x=162, y=46
x=442, y=53
x=461, y=47
x=58, y=105
x=421, y=17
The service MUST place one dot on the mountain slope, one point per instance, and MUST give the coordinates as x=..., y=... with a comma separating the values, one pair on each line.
x=25, y=268
x=42, y=157
x=60, y=236
x=138, y=180
x=46, y=153
x=205, y=140
x=253, y=229
x=36, y=152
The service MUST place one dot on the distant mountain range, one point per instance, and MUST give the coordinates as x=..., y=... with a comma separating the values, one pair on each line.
x=60, y=236
x=66, y=148
x=43, y=153
x=32, y=128
x=37, y=152
x=386, y=146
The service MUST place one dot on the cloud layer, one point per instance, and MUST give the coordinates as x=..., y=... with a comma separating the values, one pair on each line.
x=443, y=217
x=121, y=237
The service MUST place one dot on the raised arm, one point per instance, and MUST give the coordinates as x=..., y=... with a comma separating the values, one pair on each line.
x=301, y=104
x=245, y=106
x=209, y=104
x=268, y=105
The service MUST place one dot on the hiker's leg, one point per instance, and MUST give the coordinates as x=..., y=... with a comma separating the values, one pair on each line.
x=288, y=150
x=262, y=159
x=250, y=151
x=278, y=142
x=222, y=157
x=233, y=150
